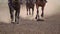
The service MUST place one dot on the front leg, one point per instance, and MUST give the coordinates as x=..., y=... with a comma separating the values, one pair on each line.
x=37, y=15
x=32, y=11
x=42, y=14
x=11, y=13
x=17, y=16
x=27, y=11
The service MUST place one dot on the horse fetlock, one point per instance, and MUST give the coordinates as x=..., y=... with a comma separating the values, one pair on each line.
x=35, y=17
x=17, y=20
x=42, y=15
x=40, y=20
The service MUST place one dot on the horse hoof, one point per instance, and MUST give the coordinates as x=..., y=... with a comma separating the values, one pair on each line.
x=27, y=14
x=35, y=17
x=13, y=22
x=40, y=20
x=17, y=22
x=41, y=15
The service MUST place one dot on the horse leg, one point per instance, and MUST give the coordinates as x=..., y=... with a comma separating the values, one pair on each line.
x=37, y=15
x=32, y=11
x=17, y=16
x=11, y=14
x=29, y=12
x=42, y=14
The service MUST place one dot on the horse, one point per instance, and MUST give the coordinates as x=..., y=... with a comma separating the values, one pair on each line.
x=40, y=3
x=30, y=5
x=14, y=5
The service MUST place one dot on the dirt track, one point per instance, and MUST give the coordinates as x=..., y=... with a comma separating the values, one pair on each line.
x=31, y=27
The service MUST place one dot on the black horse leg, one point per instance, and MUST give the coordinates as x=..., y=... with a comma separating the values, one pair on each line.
x=32, y=11
x=17, y=16
x=11, y=14
x=29, y=12
x=42, y=14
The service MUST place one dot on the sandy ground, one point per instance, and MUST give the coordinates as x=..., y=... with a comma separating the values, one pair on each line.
x=27, y=24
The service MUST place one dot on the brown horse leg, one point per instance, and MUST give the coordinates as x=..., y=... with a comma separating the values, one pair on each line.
x=37, y=16
x=42, y=12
